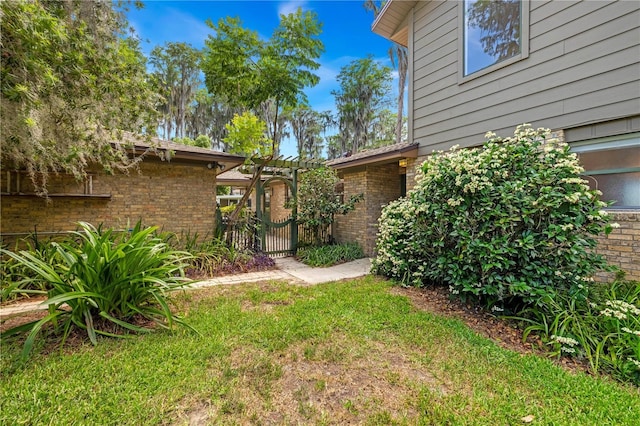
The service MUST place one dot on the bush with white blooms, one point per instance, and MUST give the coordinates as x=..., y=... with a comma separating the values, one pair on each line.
x=512, y=220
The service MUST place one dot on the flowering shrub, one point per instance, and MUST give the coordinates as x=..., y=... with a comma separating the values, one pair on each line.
x=509, y=221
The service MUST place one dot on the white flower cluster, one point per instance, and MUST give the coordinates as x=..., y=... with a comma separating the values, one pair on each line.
x=564, y=340
x=628, y=330
x=454, y=202
x=635, y=361
x=496, y=308
x=619, y=309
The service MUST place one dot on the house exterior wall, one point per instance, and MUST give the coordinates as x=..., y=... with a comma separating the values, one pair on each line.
x=380, y=184
x=278, y=199
x=175, y=197
x=621, y=247
x=583, y=67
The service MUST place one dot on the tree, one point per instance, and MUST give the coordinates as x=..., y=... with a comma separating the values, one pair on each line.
x=248, y=71
x=399, y=59
x=72, y=82
x=177, y=77
x=208, y=115
x=318, y=201
x=364, y=87
x=202, y=141
x=246, y=135
x=384, y=129
x=306, y=125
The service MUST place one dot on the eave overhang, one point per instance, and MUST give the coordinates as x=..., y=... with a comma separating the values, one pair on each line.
x=384, y=155
x=391, y=22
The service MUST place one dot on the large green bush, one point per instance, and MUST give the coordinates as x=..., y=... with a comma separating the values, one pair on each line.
x=510, y=221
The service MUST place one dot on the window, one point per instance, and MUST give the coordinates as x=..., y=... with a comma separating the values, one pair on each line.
x=612, y=165
x=495, y=33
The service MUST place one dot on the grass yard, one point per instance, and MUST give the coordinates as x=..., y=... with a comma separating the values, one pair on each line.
x=340, y=353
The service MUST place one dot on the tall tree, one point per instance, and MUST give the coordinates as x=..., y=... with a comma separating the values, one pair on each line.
x=177, y=76
x=208, y=115
x=249, y=71
x=72, y=81
x=306, y=126
x=400, y=60
x=364, y=89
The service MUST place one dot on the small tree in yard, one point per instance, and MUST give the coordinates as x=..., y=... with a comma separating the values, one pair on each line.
x=511, y=221
x=250, y=72
x=318, y=201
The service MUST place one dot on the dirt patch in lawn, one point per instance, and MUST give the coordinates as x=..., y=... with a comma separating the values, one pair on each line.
x=331, y=382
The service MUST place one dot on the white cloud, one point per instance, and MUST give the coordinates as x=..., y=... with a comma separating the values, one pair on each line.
x=291, y=6
x=193, y=31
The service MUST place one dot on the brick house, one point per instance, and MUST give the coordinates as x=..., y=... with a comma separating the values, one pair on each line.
x=173, y=187
x=381, y=175
x=571, y=66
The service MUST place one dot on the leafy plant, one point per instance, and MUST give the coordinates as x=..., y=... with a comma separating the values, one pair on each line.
x=600, y=323
x=16, y=279
x=102, y=282
x=330, y=254
x=318, y=201
x=509, y=222
x=214, y=257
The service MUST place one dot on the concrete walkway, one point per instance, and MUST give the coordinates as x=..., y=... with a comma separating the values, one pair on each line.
x=289, y=270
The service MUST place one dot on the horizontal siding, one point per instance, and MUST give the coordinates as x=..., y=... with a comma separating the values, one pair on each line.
x=583, y=66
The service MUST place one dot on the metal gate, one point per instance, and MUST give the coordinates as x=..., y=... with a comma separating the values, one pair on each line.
x=280, y=235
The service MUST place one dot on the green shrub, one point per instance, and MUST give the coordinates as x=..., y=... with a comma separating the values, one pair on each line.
x=330, y=255
x=600, y=323
x=511, y=221
x=318, y=201
x=101, y=282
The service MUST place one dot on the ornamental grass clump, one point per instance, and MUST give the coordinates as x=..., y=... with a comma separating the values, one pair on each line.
x=511, y=222
x=104, y=283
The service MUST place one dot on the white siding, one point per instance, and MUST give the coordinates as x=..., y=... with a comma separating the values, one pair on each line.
x=583, y=67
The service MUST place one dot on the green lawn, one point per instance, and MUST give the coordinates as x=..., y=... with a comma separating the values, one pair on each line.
x=275, y=353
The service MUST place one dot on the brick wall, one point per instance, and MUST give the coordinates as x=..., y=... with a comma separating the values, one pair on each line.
x=622, y=246
x=176, y=197
x=278, y=198
x=380, y=184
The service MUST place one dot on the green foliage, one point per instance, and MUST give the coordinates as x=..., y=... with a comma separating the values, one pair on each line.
x=364, y=89
x=176, y=77
x=202, y=141
x=100, y=282
x=330, y=254
x=71, y=84
x=246, y=135
x=306, y=125
x=318, y=201
x=600, y=323
x=18, y=280
x=223, y=190
x=249, y=71
x=511, y=221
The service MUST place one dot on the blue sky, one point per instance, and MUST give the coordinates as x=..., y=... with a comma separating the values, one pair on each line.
x=346, y=33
